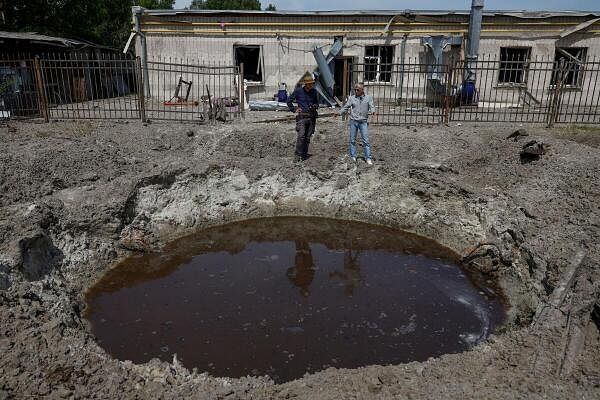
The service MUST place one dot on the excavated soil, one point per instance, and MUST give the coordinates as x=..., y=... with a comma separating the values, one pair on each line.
x=78, y=197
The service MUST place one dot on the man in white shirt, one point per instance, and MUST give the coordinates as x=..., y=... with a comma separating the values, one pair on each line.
x=361, y=106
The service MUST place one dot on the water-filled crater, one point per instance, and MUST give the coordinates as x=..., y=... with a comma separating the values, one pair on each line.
x=289, y=295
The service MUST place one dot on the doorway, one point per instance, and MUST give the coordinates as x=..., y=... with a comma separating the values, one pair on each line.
x=343, y=77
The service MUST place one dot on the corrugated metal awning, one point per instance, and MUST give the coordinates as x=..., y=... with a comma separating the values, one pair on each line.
x=32, y=36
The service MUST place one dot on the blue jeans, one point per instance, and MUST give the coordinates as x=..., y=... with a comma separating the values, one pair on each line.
x=363, y=127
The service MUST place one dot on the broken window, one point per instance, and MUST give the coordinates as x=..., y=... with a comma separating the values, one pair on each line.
x=378, y=63
x=514, y=64
x=568, y=66
x=252, y=58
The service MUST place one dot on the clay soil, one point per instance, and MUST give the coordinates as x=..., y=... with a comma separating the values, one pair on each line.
x=77, y=197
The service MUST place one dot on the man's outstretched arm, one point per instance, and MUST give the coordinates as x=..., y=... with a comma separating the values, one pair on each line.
x=345, y=107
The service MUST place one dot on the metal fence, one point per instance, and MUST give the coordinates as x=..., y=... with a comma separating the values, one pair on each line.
x=503, y=88
x=78, y=87
x=493, y=89
x=187, y=90
x=403, y=93
x=19, y=97
x=109, y=86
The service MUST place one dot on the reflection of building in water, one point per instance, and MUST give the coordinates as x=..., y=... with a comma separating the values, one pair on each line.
x=351, y=277
x=303, y=271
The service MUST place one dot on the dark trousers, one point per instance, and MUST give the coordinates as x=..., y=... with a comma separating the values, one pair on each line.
x=305, y=128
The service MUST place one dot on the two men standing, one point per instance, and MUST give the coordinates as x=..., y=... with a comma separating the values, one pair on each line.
x=359, y=104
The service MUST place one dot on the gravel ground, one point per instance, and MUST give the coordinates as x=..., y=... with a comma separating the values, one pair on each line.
x=77, y=197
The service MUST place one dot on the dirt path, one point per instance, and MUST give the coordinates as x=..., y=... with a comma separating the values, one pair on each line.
x=77, y=197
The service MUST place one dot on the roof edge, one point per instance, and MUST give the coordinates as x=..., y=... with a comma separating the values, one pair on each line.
x=508, y=13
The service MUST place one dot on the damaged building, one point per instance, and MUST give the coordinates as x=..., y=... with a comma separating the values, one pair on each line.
x=388, y=50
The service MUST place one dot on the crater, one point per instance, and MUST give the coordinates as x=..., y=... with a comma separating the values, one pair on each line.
x=287, y=296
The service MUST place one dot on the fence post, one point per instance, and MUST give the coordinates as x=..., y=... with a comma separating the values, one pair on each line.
x=41, y=92
x=554, y=108
x=449, y=70
x=141, y=89
x=559, y=88
x=242, y=93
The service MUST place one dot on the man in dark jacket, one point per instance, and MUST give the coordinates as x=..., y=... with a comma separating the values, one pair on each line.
x=306, y=114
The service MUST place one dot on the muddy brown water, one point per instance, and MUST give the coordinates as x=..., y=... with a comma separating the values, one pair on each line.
x=290, y=295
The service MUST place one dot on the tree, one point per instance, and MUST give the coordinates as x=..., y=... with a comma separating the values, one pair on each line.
x=271, y=7
x=156, y=4
x=106, y=22
x=225, y=5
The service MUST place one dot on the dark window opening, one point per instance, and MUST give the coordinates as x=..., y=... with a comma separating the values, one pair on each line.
x=378, y=63
x=514, y=64
x=568, y=66
x=251, y=57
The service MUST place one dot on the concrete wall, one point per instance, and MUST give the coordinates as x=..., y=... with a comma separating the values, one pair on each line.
x=285, y=60
x=538, y=76
x=287, y=57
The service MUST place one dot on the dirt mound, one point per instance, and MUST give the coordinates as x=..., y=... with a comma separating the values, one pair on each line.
x=77, y=198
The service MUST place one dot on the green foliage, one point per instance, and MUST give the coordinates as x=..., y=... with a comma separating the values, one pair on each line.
x=271, y=7
x=156, y=4
x=106, y=22
x=225, y=5
x=8, y=84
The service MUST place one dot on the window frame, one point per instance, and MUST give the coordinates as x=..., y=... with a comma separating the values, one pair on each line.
x=580, y=73
x=507, y=70
x=261, y=61
x=378, y=64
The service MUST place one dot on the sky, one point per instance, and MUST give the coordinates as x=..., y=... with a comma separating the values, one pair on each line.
x=582, y=5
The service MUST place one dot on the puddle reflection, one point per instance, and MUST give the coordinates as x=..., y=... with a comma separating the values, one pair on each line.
x=286, y=296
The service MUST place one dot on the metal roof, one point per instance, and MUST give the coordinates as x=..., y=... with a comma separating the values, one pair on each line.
x=52, y=40
x=35, y=37
x=390, y=13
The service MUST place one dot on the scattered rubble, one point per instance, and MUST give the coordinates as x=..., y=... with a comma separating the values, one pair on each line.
x=532, y=150
x=517, y=134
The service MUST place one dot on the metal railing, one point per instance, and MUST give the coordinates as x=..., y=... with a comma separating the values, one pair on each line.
x=539, y=90
x=19, y=80
x=110, y=86
x=505, y=88
x=79, y=87
x=402, y=91
x=184, y=90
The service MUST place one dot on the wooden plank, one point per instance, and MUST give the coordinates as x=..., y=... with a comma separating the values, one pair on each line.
x=42, y=99
x=570, y=56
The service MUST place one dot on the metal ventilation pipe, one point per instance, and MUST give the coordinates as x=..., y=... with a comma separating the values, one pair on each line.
x=473, y=39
